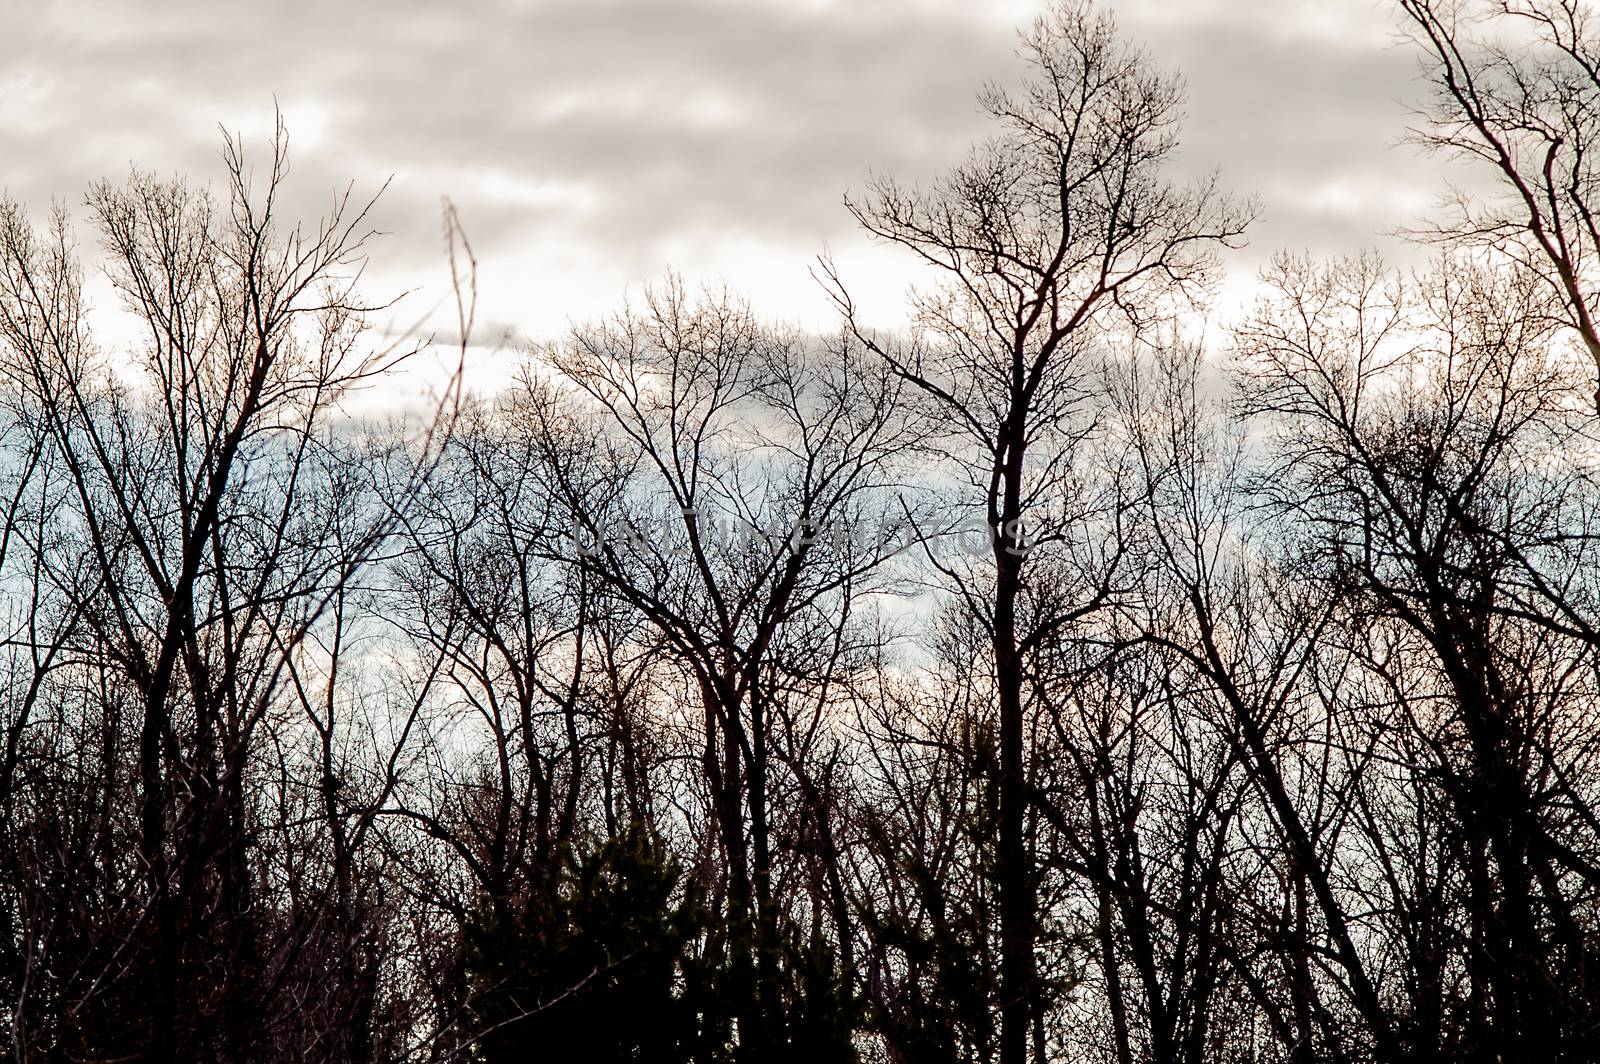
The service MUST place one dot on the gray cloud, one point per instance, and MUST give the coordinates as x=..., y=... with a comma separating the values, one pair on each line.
x=588, y=144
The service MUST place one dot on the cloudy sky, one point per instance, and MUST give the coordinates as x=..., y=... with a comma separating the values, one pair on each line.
x=592, y=144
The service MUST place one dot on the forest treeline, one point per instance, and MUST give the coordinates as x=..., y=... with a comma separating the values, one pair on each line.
x=1257, y=723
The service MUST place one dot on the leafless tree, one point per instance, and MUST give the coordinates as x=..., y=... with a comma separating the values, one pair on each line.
x=208, y=514
x=1059, y=230
x=726, y=480
x=1516, y=88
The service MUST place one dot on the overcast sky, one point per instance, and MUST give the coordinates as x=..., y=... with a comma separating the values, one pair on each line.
x=590, y=145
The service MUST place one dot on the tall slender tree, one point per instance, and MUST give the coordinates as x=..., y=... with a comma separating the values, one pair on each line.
x=1056, y=233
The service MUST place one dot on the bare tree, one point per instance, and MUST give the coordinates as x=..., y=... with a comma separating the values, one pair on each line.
x=1437, y=429
x=1516, y=87
x=725, y=480
x=1057, y=231
x=209, y=513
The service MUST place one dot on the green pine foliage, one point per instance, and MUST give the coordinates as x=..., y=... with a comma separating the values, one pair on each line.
x=617, y=957
x=599, y=962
